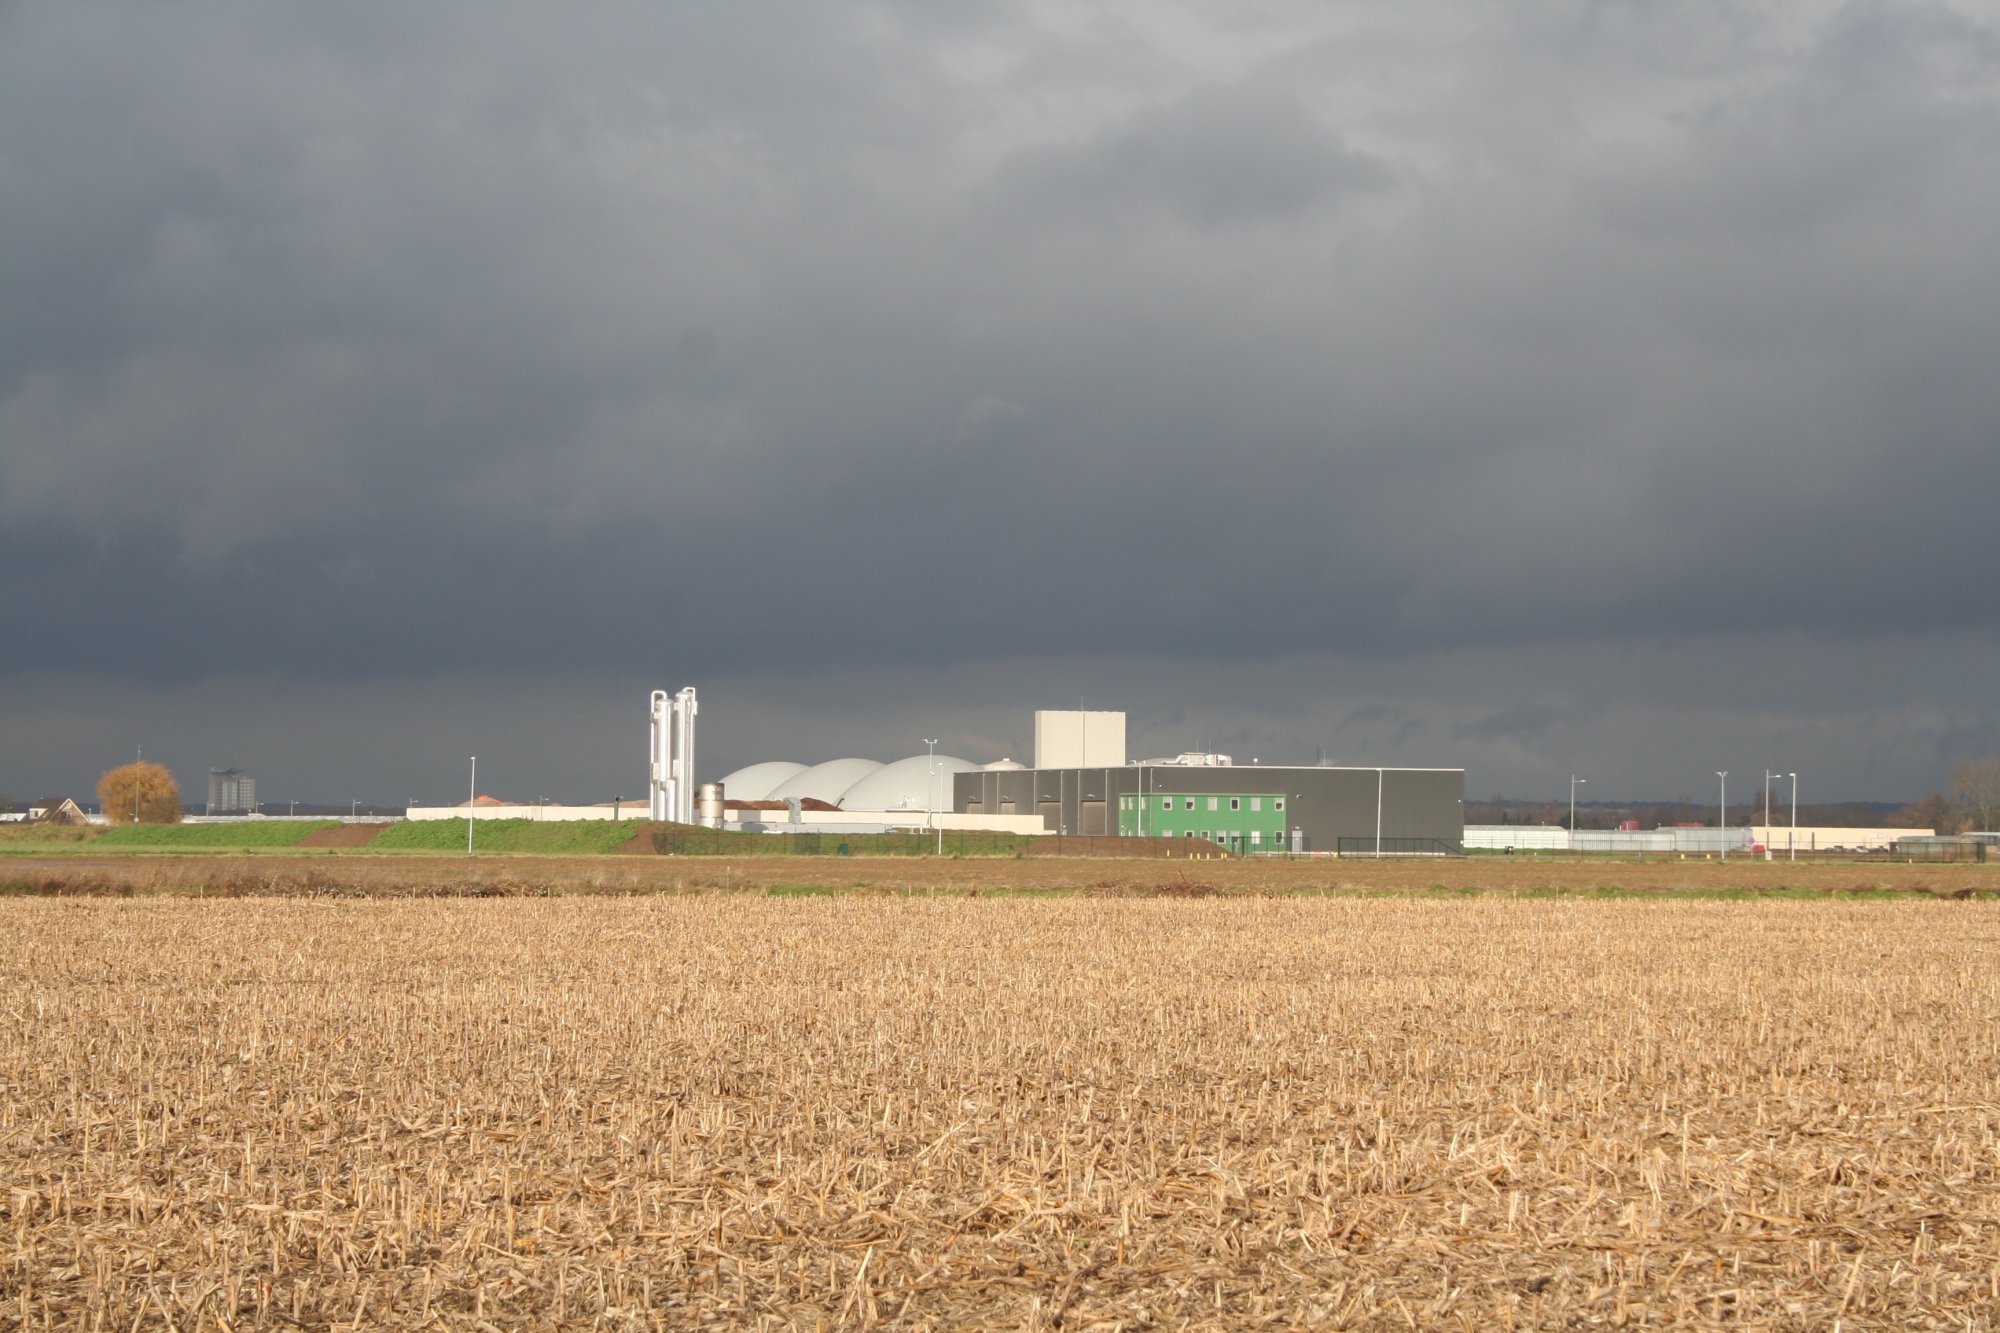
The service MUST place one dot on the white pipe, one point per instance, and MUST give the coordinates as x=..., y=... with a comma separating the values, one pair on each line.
x=656, y=796
x=671, y=780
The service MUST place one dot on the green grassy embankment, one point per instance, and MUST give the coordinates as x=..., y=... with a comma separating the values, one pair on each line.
x=581, y=837
x=34, y=839
x=212, y=837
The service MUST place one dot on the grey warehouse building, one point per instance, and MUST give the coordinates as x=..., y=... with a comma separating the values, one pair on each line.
x=1246, y=808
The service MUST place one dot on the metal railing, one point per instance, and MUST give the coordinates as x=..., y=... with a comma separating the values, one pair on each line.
x=695, y=840
x=1369, y=845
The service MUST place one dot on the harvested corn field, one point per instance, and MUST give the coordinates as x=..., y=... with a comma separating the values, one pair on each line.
x=380, y=874
x=936, y=1112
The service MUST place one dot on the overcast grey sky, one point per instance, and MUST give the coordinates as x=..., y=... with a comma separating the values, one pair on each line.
x=1539, y=388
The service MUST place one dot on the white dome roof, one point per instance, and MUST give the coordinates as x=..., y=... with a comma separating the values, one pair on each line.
x=823, y=782
x=1005, y=766
x=907, y=784
x=758, y=781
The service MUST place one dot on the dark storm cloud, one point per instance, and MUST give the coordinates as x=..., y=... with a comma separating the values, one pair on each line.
x=384, y=345
x=1217, y=156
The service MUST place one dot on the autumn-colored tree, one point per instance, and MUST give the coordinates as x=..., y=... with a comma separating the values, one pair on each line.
x=1975, y=790
x=142, y=793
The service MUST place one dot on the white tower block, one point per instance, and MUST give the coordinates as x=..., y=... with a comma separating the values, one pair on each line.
x=672, y=777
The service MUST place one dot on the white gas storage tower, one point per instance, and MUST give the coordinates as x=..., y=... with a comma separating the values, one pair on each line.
x=672, y=776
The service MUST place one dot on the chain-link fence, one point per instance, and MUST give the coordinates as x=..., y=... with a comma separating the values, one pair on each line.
x=693, y=840
x=1903, y=854
x=1369, y=845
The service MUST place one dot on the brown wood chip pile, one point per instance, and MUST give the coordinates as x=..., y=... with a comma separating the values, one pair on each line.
x=345, y=835
x=1108, y=1113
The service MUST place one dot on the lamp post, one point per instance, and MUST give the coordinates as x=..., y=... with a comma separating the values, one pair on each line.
x=1378, y=817
x=1794, y=845
x=1722, y=811
x=471, y=803
x=930, y=795
x=1573, y=780
x=1767, y=812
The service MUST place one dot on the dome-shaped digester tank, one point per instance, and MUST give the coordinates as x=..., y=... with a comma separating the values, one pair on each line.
x=921, y=782
x=824, y=782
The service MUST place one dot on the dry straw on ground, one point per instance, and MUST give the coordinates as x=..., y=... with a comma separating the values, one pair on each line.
x=1087, y=1113
x=370, y=873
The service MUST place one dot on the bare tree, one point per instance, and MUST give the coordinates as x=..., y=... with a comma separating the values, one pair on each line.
x=1975, y=790
x=1931, y=811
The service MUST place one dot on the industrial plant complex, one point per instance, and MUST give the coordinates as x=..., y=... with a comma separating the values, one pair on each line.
x=1080, y=783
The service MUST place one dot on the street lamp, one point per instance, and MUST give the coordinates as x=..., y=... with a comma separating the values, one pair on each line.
x=1573, y=780
x=930, y=795
x=1767, y=811
x=1378, y=817
x=1722, y=811
x=1794, y=845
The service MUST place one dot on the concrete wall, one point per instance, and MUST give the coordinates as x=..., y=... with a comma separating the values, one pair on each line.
x=1780, y=837
x=1734, y=840
x=827, y=820
x=635, y=809
x=889, y=819
x=1516, y=837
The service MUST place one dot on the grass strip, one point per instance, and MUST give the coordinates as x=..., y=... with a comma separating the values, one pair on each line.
x=556, y=838
x=288, y=833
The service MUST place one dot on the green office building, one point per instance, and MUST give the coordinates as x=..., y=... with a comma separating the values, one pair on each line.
x=1241, y=821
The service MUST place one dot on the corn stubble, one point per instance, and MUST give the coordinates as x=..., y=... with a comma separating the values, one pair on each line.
x=1114, y=1113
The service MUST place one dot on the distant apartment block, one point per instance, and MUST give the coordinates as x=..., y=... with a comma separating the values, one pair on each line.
x=231, y=791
